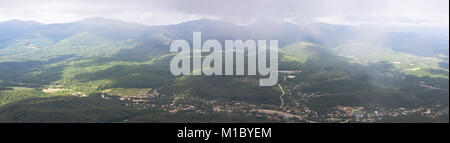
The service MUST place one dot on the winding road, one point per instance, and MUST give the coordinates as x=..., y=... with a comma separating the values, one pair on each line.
x=281, y=96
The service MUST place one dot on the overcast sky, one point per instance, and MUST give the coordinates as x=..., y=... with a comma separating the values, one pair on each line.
x=161, y=12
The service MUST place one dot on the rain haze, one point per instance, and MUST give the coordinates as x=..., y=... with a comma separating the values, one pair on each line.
x=162, y=12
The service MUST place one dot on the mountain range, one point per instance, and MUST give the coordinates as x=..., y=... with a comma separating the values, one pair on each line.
x=97, y=70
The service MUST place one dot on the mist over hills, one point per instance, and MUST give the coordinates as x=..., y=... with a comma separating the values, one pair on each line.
x=286, y=33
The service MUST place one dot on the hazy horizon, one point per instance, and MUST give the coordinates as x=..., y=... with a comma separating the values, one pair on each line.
x=157, y=12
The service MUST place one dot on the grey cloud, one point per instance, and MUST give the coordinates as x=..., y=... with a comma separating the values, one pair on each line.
x=431, y=12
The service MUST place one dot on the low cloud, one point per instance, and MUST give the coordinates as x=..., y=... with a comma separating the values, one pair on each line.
x=159, y=12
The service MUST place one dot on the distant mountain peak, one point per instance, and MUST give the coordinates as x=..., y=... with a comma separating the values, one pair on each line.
x=18, y=21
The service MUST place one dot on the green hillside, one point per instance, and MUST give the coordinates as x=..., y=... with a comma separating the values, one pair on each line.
x=406, y=63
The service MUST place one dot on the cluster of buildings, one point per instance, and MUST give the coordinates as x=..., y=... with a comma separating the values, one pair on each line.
x=359, y=114
x=289, y=74
x=424, y=84
x=140, y=98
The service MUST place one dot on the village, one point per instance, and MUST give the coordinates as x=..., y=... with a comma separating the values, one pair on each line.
x=293, y=104
x=292, y=113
